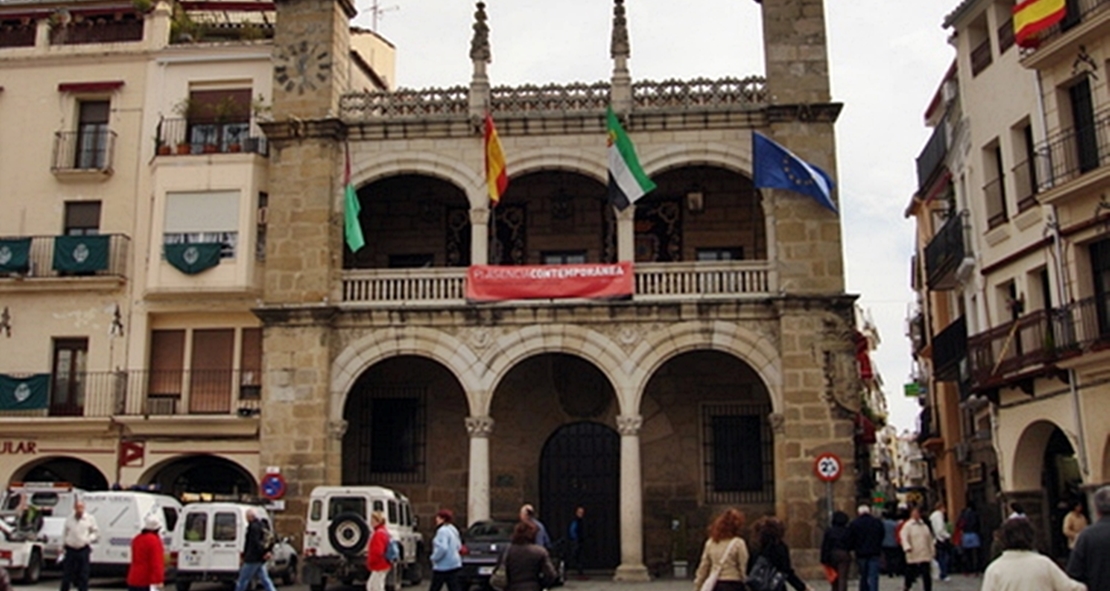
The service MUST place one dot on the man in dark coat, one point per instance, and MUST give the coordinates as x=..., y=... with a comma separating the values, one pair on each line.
x=1088, y=563
x=255, y=555
x=866, y=533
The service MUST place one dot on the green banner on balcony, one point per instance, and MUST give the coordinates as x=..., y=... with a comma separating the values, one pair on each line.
x=81, y=254
x=25, y=393
x=15, y=255
x=191, y=259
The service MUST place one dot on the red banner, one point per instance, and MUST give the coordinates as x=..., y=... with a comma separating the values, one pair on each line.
x=489, y=283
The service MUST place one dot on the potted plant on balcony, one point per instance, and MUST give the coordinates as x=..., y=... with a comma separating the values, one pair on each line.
x=188, y=109
x=226, y=113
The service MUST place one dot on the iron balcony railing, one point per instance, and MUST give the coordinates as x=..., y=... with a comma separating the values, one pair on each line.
x=1074, y=151
x=182, y=137
x=90, y=150
x=1025, y=184
x=17, y=33
x=1032, y=344
x=150, y=393
x=107, y=28
x=994, y=193
x=981, y=57
x=932, y=157
x=944, y=253
x=41, y=260
x=950, y=351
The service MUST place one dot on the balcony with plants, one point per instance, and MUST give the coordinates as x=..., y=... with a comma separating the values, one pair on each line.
x=223, y=126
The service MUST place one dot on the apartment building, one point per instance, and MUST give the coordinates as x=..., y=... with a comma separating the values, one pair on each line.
x=1028, y=291
x=133, y=250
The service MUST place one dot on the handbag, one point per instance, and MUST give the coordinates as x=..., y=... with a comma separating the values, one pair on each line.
x=499, y=579
x=715, y=572
x=765, y=577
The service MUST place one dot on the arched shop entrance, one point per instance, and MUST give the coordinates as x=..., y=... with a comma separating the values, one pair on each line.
x=203, y=475
x=79, y=473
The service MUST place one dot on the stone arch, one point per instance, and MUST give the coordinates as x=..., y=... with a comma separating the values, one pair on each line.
x=152, y=474
x=61, y=468
x=534, y=340
x=422, y=163
x=752, y=348
x=456, y=356
x=1027, y=463
x=534, y=160
x=732, y=158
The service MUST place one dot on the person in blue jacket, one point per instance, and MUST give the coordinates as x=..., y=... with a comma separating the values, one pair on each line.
x=446, y=559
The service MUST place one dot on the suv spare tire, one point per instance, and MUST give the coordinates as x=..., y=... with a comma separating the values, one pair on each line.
x=348, y=534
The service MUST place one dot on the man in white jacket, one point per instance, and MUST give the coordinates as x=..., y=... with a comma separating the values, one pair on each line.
x=920, y=547
x=938, y=519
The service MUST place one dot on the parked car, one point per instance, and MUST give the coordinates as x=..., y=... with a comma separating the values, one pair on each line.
x=120, y=516
x=209, y=539
x=485, y=541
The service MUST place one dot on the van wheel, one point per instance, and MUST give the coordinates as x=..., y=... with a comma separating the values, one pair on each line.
x=183, y=585
x=33, y=571
x=290, y=575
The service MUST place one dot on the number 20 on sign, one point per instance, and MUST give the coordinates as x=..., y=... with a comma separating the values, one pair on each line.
x=827, y=467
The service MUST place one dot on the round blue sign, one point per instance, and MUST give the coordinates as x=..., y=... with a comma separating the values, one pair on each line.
x=273, y=486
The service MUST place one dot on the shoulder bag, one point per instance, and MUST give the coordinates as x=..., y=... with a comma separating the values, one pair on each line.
x=499, y=579
x=765, y=577
x=715, y=572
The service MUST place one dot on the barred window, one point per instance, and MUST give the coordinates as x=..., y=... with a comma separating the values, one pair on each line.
x=389, y=440
x=737, y=451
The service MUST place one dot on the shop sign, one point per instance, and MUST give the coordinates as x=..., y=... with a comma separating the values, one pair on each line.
x=15, y=447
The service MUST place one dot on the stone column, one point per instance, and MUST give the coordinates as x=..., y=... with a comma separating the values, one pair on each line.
x=632, y=526
x=626, y=234
x=477, y=501
x=479, y=236
x=333, y=448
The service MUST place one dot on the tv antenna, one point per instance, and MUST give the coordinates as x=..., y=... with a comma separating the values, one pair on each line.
x=377, y=10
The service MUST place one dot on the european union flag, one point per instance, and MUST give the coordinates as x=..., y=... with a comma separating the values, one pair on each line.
x=778, y=168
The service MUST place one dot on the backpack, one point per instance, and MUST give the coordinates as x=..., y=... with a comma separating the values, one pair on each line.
x=268, y=537
x=392, y=550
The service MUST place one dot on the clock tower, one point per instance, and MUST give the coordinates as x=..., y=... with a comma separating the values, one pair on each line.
x=304, y=244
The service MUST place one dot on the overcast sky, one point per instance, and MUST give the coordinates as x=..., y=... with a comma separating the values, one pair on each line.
x=886, y=59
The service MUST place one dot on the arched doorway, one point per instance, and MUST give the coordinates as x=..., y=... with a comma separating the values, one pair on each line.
x=1062, y=482
x=205, y=475
x=1045, y=479
x=580, y=466
x=77, y=472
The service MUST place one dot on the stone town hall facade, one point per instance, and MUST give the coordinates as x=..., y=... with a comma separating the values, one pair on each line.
x=729, y=369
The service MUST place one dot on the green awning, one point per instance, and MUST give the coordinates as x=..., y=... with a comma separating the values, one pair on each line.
x=24, y=393
x=15, y=255
x=191, y=259
x=81, y=254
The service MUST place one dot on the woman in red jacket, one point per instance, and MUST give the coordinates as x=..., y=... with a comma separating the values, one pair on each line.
x=148, y=558
x=375, y=553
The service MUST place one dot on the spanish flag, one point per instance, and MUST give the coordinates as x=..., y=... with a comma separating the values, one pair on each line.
x=1031, y=17
x=497, y=176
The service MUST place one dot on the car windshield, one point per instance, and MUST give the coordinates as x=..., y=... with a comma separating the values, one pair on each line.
x=490, y=530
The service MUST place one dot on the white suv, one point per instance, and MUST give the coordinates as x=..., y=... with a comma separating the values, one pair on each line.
x=338, y=530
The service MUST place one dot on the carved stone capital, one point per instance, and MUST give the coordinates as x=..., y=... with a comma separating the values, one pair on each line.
x=629, y=424
x=479, y=426
x=479, y=216
x=337, y=429
x=777, y=422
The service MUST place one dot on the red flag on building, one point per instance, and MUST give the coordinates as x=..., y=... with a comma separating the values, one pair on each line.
x=497, y=176
x=1032, y=17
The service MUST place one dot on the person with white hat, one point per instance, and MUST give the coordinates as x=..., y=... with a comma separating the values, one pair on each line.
x=148, y=557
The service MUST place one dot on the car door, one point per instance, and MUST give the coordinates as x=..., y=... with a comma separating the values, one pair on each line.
x=227, y=541
x=193, y=555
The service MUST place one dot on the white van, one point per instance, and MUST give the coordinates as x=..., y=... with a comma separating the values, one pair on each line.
x=338, y=531
x=208, y=541
x=120, y=516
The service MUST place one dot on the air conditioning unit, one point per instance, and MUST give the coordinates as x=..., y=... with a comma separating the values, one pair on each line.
x=263, y=215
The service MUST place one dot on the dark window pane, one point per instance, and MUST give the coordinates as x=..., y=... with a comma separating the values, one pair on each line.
x=737, y=454
x=82, y=218
x=393, y=434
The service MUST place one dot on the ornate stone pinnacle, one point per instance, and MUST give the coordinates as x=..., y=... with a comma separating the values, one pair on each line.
x=479, y=44
x=619, y=45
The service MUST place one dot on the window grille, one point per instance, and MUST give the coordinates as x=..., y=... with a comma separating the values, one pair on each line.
x=737, y=453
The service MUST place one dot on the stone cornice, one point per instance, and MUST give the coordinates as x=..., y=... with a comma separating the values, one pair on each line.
x=296, y=315
x=806, y=113
x=293, y=128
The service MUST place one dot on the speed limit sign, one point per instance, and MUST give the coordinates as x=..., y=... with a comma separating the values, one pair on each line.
x=827, y=467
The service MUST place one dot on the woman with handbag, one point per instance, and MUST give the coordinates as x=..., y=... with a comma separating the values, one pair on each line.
x=769, y=547
x=527, y=564
x=724, y=559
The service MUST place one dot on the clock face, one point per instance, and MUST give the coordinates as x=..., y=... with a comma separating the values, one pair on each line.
x=302, y=66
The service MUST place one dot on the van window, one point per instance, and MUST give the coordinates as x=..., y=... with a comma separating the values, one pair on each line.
x=13, y=502
x=317, y=508
x=170, y=514
x=408, y=514
x=338, y=505
x=224, y=526
x=379, y=505
x=44, y=499
x=196, y=527
x=393, y=512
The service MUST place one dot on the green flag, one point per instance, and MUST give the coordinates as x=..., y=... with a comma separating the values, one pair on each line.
x=24, y=393
x=351, y=208
x=193, y=258
x=81, y=254
x=14, y=255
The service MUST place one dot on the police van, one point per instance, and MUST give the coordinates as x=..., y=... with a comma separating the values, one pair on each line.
x=120, y=517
